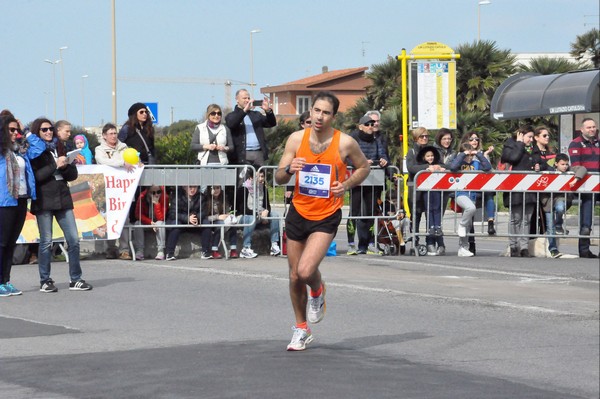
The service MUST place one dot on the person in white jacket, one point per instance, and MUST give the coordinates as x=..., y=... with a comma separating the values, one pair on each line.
x=212, y=138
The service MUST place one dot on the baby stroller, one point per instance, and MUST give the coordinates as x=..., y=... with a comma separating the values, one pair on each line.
x=387, y=238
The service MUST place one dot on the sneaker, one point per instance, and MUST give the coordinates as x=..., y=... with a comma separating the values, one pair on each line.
x=373, y=250
x=558, y=230
x=525, y=253
x=4, y=290
x=248, y=253
x=33, y=259
x=461, y=231
x=431, y=251
x=514, y=252
x=125, y=255
x=441, y=251
x=216, y=255
x=13, y=290
x=233, y=254
x=555, y=254
x=171, y=257
x=275, y=250
x=160, y=256
x=205, y=255
x=139, y=256
x=464, y=252
x=491, y=229
x=80, y=285
x=48, y=286
x=300, y=339
x=361, y=252
x=351, y=250
x=316, y=307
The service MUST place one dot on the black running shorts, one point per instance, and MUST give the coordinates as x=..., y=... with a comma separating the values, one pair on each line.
x=298, y=228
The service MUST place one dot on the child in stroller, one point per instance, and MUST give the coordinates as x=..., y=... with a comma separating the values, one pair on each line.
x=392, y=234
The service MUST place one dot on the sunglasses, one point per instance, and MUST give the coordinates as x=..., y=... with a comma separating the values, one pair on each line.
x=157, y=192
x=46, y=129
x=142, y=111
x=424, y=136
x=372, y=123
x=215, y=113
x=474, y=139
x=306, y=122
x=14, y=129
x=544, y=135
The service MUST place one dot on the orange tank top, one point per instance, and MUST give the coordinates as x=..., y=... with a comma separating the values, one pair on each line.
x=312, y=194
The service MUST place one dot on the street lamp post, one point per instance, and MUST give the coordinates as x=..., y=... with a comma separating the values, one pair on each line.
x=253, y=31
x=53, y=81
x=479, y=4
x=62, y=70
x=83, y=77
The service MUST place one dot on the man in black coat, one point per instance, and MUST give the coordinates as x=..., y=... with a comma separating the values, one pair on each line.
x=246, y=127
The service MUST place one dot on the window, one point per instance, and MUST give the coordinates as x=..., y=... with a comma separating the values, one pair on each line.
x=302, y=104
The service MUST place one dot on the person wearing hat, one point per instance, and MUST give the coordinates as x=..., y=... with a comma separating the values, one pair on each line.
x=138, y=133
x=363, y=200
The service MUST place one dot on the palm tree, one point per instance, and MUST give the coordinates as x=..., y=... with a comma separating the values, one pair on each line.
x=481, y=69
x=549, y=66
x=587, y=44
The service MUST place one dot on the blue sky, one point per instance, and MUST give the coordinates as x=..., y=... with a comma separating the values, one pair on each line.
x=210, y=40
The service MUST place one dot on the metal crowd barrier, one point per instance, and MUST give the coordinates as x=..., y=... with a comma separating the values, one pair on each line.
x=375, y=186
x=174, y=177
x=543, y=185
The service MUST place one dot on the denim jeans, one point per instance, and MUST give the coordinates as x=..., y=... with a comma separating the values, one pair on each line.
x=550, y=231
x=138, y=237
x=66, y=221
x=274, y=225
x=586, y=214
x=560, y=208
x=520, y=217
x=490, y=204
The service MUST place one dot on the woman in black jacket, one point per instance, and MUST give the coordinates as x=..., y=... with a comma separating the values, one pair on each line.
x=52, y=172
x=138, y=133
x=518, y=152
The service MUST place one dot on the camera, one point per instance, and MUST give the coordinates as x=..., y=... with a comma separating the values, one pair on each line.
x=257, y=103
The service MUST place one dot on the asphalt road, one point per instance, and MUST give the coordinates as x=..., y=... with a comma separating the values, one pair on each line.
x=396, y=327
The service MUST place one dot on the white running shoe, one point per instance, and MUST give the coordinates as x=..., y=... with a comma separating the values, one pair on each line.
x=316, y=307
x=461, y=230
x=160, y=256
x=300, y=339
x=465, y=252
x=248, y=253
x=275, y=250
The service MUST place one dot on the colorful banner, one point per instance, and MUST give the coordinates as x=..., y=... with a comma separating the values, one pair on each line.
x=101, y=197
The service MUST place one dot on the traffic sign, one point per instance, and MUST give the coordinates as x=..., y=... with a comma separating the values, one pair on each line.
x=153, y=108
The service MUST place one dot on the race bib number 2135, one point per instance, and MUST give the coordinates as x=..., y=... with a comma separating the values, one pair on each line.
x=315, y=180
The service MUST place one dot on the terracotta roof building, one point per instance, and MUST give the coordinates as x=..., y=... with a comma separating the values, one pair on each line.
x=292, y=98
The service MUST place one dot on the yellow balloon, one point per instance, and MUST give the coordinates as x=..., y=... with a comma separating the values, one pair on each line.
x=131, y=156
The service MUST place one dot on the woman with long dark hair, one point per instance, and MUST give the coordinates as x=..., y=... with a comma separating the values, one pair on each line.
x=17, y=184
x=52, y=172
x=138, y=133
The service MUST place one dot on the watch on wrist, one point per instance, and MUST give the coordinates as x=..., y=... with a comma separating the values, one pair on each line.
x=287, y=170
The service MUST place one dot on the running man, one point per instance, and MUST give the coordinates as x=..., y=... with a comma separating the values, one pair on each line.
x=316, y=157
